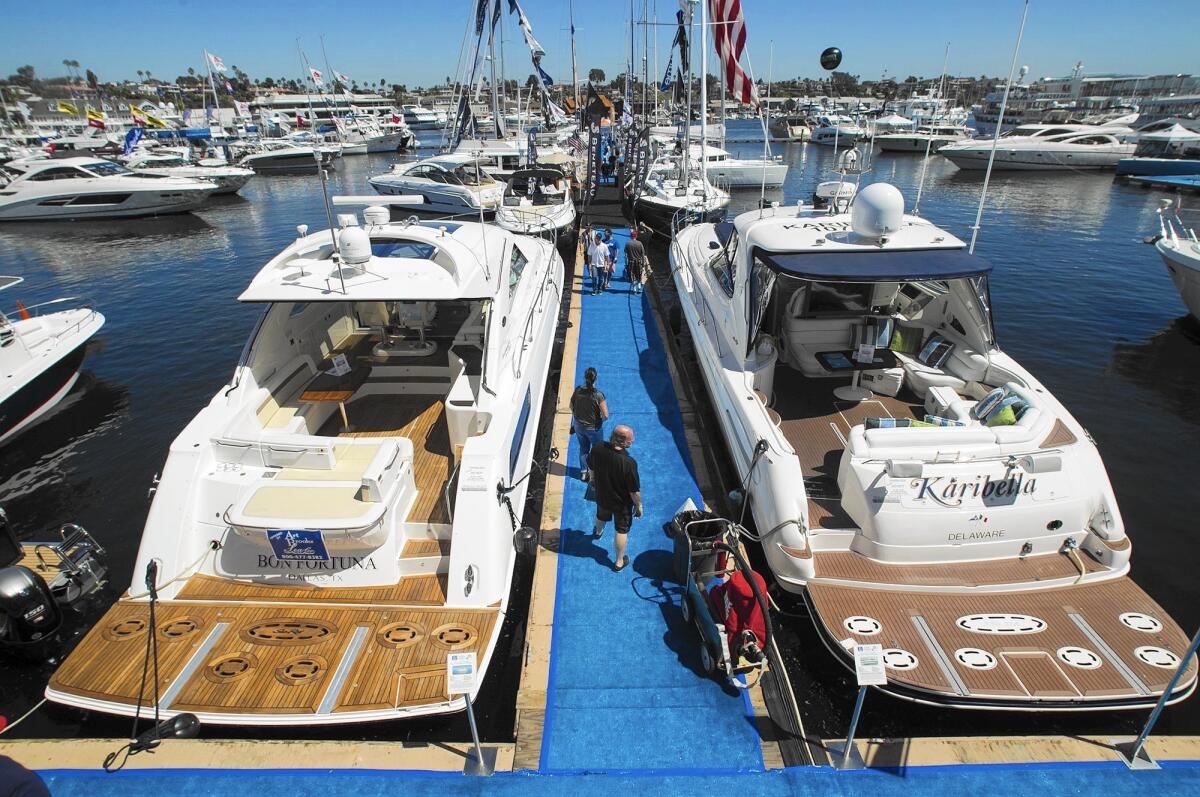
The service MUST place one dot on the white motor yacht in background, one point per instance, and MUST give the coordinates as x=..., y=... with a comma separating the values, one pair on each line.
x=155, y=163
x=731, y=172
x=944, y=503
x=1179, y=248
x=41, y=351
x=537, y=202
x=91, y=188
x=1095, y=148
x=419, y=118
x=454, y=183
x=270, y=156
x=669, y=198
x=926, y=137
x=339, y=516
x=839, y=131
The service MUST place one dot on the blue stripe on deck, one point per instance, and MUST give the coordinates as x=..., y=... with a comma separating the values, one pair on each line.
x=1109, y=778
x=626, y=688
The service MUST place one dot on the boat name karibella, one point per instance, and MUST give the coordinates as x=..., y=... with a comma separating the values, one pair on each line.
x=952, y=492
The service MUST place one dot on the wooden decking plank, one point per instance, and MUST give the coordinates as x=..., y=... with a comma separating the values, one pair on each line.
x=851, y=566
x=425, y=589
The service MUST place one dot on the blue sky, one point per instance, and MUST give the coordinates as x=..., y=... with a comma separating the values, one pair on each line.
x=416, y=42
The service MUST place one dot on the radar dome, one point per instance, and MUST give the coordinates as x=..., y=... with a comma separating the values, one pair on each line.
x=377, y=214
x=878, y=211
x=355, y=245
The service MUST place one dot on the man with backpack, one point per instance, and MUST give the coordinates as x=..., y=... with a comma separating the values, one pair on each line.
x=589, y=411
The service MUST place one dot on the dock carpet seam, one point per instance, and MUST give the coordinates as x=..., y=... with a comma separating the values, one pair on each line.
x=624, y=631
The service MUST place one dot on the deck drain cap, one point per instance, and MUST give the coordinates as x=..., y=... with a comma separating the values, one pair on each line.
x=454, y=635
x=899, y=659
x=177, y=629
x=301, y=671
x=230, y=667
x=863, y=626
x=1079, y=657
x=1157, y=657
x=400, y=635
x=126, y=629
x=975, y=659
x=1141, y=622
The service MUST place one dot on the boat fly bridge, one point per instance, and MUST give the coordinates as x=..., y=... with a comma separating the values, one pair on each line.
x=905, y=473
x=350, y=492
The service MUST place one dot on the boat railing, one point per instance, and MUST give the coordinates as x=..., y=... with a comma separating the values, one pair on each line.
x=1171, y=225
x=35, y=310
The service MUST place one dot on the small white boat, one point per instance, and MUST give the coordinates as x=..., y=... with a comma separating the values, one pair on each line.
x=1179, y=248
x=41, y=351
x=455, y=183
x=338, y=518
x=286, y=157
x=837, y=131
x=92, y=188
x=537, y=202
x=790, y=128
x=419, y=118
x=726, y=170
x=925, y=138
x=228, y=179
x=670, y=199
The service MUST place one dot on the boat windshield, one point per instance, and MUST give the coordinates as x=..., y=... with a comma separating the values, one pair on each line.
x=471, y=174
x=106, y=169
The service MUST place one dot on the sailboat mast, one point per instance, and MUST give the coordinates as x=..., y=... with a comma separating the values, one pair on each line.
x=687, y=116
x=645, y=55
x=703, y=93
x=213, y=85
x=574, y=68
x=496, y=121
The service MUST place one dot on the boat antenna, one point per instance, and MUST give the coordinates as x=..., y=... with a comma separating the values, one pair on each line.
x=337, y=253
x=996, y=133
x=929, y=141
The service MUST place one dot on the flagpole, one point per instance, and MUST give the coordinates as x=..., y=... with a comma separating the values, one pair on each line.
x=213, y=85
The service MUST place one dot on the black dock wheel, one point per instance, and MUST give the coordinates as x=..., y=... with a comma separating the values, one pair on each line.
x=686, y=608
x=707, y=661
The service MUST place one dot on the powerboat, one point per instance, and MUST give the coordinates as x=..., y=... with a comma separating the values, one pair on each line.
x=537, y=202
x=943, y=503
x=925, y=138
x=270, y=156
x=1094, y=148
x=92, y=188
x=419, y=118
x=341, y=515
x=1179, y=248
x=790, y=128
x=455, y=183
x=837, y=131
x=674, y=195
x=228, y=179
x=732, y=172
x=41, y=351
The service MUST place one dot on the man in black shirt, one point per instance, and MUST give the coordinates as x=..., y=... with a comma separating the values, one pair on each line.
x=635, y=261
x=618, y=489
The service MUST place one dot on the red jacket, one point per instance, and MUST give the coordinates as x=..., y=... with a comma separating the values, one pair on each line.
x=735, y=599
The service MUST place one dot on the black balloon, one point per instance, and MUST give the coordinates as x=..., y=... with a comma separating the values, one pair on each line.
x=831, y=58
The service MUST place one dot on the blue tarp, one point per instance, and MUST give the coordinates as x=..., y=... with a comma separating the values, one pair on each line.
x=195, y=132
x=876, y=266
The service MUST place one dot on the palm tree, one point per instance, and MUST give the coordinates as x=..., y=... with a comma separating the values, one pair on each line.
x=139, y=74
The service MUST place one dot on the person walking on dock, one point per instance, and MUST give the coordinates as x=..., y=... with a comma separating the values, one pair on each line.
x=611, y=264
x=599, y=264
x=589, y=411
x=618, y=489
x=635, y=261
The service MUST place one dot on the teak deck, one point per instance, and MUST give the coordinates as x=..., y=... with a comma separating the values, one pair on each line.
x=850, y=566
x=420, y=418
x=226, y=661
x=1028, y=663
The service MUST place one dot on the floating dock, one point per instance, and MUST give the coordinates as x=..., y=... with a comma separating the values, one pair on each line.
x=1178, y=182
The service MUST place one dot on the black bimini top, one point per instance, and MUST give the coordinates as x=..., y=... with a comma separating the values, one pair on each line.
x=876, y=266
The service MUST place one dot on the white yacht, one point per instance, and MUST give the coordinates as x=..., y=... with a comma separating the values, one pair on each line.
x=926, y=137
x=670, y=198
x=790, y=128
x=419, y=118
x=453, y=183
x=156, y=163
x=944, y=503
x=277, y=156
x=731, y=172
x=92, y=188
x=41, y=351
x=1179, y=248
x=340, y=516
x=837, y=131
x=538, y=202
x=1094, y=148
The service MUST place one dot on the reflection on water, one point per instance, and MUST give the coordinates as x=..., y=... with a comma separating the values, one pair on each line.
x=1077, y=297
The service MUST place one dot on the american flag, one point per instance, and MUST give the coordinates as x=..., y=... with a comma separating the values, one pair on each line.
x=575, y=143
x=729, y=37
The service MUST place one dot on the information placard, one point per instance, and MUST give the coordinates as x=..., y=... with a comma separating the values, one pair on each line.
x=461, y=673
x=341, y=366
x=868, y=665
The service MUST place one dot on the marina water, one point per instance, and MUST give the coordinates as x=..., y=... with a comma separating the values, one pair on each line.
x=1077, y=298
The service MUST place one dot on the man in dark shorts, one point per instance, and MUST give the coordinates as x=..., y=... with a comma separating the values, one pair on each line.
x=618, y=489
x=589, y=411
x=635, y=261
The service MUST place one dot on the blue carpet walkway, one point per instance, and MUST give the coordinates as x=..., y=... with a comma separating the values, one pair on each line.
x=1110, y=779
x=626, y=687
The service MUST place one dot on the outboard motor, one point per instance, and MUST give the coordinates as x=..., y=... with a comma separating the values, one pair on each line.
x=28, y=612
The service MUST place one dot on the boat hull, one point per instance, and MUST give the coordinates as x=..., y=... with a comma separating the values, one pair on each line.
x=1184, y=268
x=659, y=217
x=1157, y=167
x=1032, y=160
x=123, y=204
x=41, y=394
